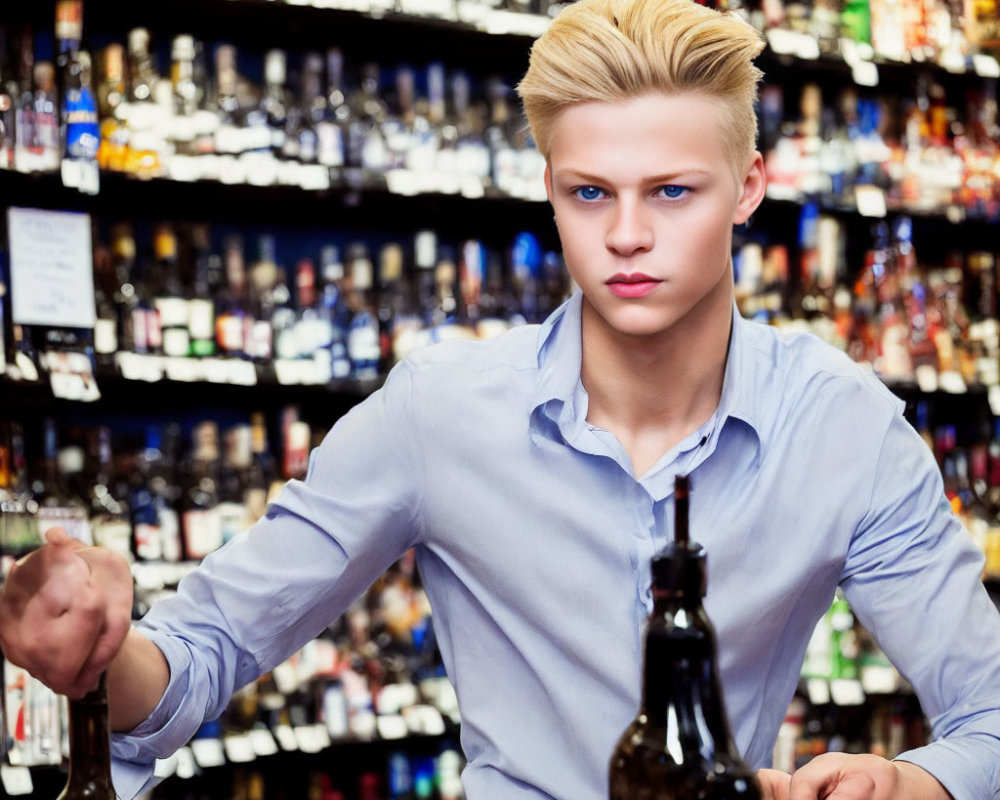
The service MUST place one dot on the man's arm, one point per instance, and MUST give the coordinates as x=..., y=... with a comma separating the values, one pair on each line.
x=65, y=616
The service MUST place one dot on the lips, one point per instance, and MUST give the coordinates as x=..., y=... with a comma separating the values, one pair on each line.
x=633, y=284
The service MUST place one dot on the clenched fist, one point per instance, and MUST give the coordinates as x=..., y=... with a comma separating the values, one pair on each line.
x=65, y=611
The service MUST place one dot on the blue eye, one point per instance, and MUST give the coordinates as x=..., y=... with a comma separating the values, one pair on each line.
x=674, y=192
x=589, y=193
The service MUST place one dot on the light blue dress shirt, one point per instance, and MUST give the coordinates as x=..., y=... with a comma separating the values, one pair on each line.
x=534, y=538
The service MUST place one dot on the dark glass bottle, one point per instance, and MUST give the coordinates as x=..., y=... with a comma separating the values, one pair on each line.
x=89, y=748
x=679, y=747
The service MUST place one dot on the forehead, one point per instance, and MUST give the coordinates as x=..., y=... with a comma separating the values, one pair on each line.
x=654, y=133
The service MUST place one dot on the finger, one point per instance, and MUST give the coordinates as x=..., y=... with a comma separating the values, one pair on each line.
x=773, y=784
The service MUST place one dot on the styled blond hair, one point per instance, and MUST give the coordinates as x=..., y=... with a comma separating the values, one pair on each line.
x=616, y=50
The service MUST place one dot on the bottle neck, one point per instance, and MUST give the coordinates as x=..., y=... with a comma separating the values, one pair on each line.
x=90, y=740
x=681, y=689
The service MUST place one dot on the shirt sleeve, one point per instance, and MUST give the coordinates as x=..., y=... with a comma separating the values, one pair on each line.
x=267, y=592
x=913, y=577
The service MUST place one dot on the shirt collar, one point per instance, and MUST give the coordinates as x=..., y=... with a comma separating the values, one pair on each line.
x=559, y=396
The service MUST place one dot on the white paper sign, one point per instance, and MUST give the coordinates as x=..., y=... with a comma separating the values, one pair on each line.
x=51, y=267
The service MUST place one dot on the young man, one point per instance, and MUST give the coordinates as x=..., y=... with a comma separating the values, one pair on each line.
x=533, y=473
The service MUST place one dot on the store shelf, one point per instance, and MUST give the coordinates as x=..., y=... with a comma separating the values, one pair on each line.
x=361, y=211
x=256, y=25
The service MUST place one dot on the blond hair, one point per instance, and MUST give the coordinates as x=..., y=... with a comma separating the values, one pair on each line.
x=616, y=50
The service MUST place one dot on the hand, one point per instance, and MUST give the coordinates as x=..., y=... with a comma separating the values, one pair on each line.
x=842, y=776
x=65, y=611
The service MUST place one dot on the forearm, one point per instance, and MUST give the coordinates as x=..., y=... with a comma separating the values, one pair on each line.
x=916, y=783
x=137, y=678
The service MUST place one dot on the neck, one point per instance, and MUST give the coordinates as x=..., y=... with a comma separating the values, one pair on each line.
x=652, y=391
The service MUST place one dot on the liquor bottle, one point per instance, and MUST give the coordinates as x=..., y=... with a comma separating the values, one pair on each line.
x=124, y=297
x=111, y=154
x=110, y=525
x=18, y=523
x=263, y=278
x=89, y=775
x=334, y=311
x=185, y=95
x=44, y=146
x=283, y=318
x=262, y=475
x=236, y=459
x=679, y=746
x=24, y=111
x=170, y=300
x=200, y=518
x=8, y=93
x=81, y=136
x=362, y=332
x=331, y=127
x=315, y=112
x=310, y=332
x=367, y=152
x=142, y=115
x=208, y=279
x=57, y=506
x=153, y=501
x=106, y=322
x=231, y=320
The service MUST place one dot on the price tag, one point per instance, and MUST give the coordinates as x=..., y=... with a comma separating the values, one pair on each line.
x=16, y=780
x=870, y=201
x=986, y=66
x=208, y=752
x=239, y=748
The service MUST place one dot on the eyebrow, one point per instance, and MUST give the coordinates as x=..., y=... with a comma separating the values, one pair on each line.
x=666, y=177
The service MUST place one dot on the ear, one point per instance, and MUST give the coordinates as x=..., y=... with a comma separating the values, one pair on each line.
x=754, y=185
x=548, y=181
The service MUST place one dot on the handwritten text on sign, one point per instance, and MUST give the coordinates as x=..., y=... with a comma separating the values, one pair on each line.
x=52, y=268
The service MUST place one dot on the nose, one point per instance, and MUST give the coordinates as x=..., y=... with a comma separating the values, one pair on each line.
x=629, y=229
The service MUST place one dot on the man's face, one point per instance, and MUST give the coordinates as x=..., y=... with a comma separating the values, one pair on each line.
x=645, y=199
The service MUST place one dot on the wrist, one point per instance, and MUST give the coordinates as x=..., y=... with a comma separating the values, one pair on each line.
x=916, y=783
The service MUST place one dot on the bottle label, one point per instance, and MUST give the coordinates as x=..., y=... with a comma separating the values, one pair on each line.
x=114, y=534
x=202, y=531
x=232, y=517
x=176, y=342
x=105, y=336
x=173, y=311
x=148, y=543
x=83, y=137
x=170, y=535
x=71, y=520
x=201, y=319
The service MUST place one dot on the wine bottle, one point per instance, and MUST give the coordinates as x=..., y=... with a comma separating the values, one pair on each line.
x=89, y=748
x=679, y=746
